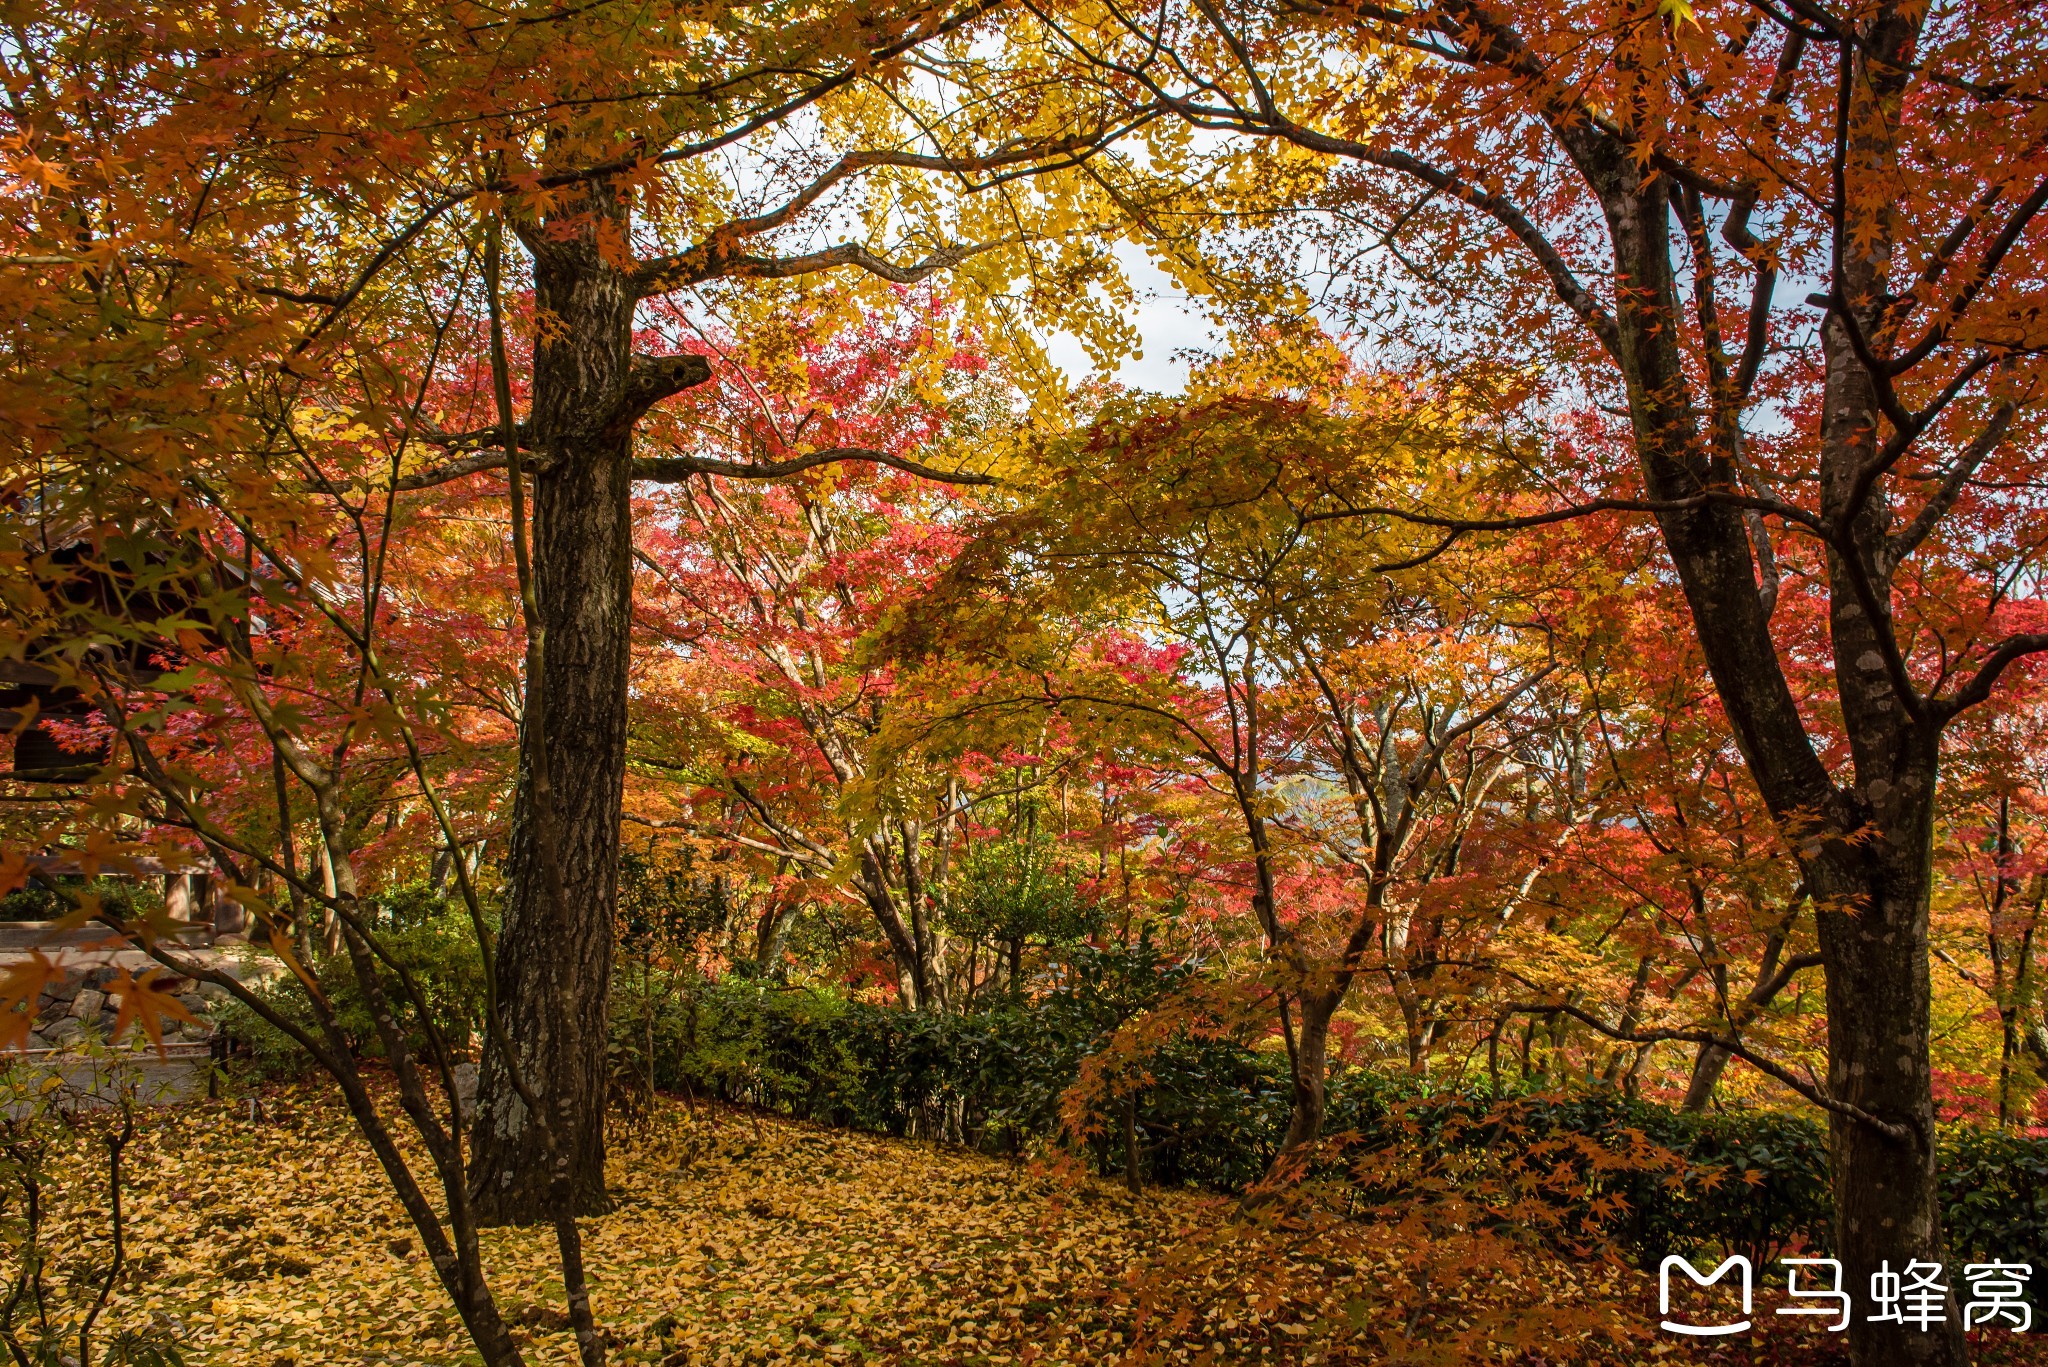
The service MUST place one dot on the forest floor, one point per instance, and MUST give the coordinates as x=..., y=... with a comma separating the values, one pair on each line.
x=734, y=1238
x=274, y=1242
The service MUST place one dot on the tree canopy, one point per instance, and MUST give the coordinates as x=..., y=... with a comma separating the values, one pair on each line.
x=598, y=473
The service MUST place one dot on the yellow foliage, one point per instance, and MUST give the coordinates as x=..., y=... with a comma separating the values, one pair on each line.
x=275, y=1240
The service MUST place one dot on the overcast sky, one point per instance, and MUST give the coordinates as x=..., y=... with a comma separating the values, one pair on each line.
x=1164, y=319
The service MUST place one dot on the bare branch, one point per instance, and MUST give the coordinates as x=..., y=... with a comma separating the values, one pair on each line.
x=1463, y=525
x=1904, y=542
x=676, y=469
x=1979, y=687
x=654, y=378
x=1819, y=1096
x=702, y=263
x=493, y=459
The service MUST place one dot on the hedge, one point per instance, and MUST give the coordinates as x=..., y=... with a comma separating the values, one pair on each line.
x=1213, y=1115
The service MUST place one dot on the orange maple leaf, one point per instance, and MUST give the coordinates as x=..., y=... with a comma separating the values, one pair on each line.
x=20, y=989
x=146, y=1002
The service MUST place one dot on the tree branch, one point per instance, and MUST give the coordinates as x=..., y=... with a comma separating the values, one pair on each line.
x=1461, y=525
x=652, y=379
x=706, y=263
x=1904, y=542
x=676, y=469
x=1735, y=1048
x=493, y=459
x=1979, y=687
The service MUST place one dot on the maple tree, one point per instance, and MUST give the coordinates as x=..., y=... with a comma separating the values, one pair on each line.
x=1213, y=574
x=756, y=598
x=591, y=270
x=444, y=442
x=1990, y=848
x=769, y=728
x=1659, y=176
x=257, y=694
x=600, y=144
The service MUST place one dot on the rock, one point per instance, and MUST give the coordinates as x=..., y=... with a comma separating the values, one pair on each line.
x=63, y=990
x=64, y=1031
x=87, y=1003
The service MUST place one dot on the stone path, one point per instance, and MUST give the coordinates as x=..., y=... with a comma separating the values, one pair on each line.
x=67, y=1063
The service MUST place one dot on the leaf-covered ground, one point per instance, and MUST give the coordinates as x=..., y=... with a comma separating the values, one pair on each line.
x=273, y=1242
x=734, y=1240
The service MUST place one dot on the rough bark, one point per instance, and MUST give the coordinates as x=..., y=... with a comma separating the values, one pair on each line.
x=1887, y=1206
x=1310, y=1060
x=1871, y=893
x=554, y=962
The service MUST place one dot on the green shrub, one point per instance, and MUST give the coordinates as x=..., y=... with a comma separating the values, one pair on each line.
x=421, y=931
x=119, y=896
x=1994, y=1203
x=994, y=1078
x=1214, y=1111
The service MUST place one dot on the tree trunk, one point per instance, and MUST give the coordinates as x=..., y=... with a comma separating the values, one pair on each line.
x=924, y=935
x=1707, y=1068
x=913, y=986
x=771, y=932
x=1711, y=1062
x=1310, y=1068
x=554, y=962
x=1872, y=895
x=1133, y=1177
x=1887, y=1206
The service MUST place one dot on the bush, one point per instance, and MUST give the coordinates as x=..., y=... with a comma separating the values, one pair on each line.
x=1213, y=1111
x=423, y=932
x=1994, y=1202
x=120, y=897
x=993, y=1079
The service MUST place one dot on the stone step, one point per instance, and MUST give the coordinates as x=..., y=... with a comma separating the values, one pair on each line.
x=43, y=935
